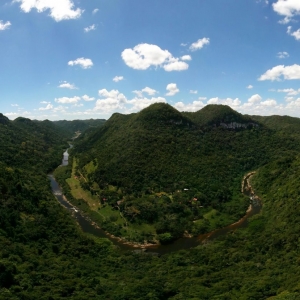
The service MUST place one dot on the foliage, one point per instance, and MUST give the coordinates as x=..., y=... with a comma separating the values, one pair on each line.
x=44, y=255
x=196, y=161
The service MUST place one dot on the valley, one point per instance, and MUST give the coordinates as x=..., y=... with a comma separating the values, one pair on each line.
x=150, y=166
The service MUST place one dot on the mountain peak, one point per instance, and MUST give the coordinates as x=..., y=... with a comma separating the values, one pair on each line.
x=162, y=113
x=221, y=115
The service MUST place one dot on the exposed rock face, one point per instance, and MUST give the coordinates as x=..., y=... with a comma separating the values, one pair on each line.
x=235, y=125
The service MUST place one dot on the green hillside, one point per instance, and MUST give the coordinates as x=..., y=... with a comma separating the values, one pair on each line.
x=160, y=162
x=214, y=115
x=44, y=254
x=78, y=125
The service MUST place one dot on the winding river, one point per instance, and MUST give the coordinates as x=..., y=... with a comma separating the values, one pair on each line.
x=88, y=226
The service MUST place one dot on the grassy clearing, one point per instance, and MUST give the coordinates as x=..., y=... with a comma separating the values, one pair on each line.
x=79, y=193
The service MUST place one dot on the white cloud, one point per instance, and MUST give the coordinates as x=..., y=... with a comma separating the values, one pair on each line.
x=87, y=98
x=60, y=109
x=283, y=54
x=59, y=9
x=48, y=107
x=14, y=105
x=176, y=66
x=172, y=89
x=199, y=44
x=118, y=78
x=67, y=85
x=112, y=100
x=254, y=99
x=90, y=28
x=95, y=11
x=234, y=103
x=45, y=102
x=65, y=100
x=4, y=26
x=287, y=8
x=290, y=92
x=183, y=44
x=295, y=34
x=287, y=72
x=288, y=99
x=193, y=92
x=11, y=114
x=149, y=91
x=269, y=102
x=194, y=106
x=186, y=57
x=141, y=103
x=85, y=63
x=250, y=87
x=143, y=56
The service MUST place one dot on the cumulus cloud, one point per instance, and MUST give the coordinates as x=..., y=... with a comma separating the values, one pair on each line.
x=176, y=65
x=111, y=100
x=87, y=98
x=84, y=63
x=172, y=89
x=287, y=72
x=147, y=90
x=59, y=10
x=269, y=102
x=193, y=92
x=194, y=106
x=65, y=100
x=254, y=99
x=95, y=11
x=11, y=114
x=141, y=103
x=289, y=92
x=90, y=28
x=48, y=107
x=14, y=105
x=287, y=8
x=114, y=100
x=144, y=56
x=118, y=78
x=234, y=103
x=4, y=26
x=283, y=54
x=67, y=85
x=199, y=44
x=250, y=87
x=295, y=34
x=186, y=57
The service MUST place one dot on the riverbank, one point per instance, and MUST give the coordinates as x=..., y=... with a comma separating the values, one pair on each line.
x=188, y=241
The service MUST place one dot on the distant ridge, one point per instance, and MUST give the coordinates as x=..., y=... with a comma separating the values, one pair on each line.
x=219, y=115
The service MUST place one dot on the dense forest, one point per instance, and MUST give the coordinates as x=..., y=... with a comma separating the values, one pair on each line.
x=172, y=173
x=145, y=159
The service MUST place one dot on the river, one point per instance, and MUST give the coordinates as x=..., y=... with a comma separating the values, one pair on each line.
x=88, y=226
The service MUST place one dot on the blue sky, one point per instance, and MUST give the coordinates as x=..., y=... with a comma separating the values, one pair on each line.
x=71, y=59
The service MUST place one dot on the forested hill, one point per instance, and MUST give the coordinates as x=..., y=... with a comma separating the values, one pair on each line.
x=31, y=145
x=44, y=255
x=79, y=125
x=161, y=147
x=187, y=157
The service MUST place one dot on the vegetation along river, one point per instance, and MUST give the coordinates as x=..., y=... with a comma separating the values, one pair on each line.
x=88, y=226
